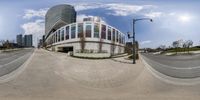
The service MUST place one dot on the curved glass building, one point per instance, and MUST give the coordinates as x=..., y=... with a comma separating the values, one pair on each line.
x=90, y=36
x=59, y=16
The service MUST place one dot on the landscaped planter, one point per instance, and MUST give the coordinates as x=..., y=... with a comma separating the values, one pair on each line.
x=92, y=55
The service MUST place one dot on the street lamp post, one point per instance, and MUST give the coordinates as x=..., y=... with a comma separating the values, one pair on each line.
x=135, y=20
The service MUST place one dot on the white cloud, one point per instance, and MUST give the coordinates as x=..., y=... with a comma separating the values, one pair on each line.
x=35, y=28
x=145, y=42
x=123, y=9
x=172, y=13
x=30, y=13
x=87, y=6
x=154, y=14
x=117, y=9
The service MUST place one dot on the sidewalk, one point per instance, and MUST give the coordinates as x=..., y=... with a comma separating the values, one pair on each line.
x=123, y=59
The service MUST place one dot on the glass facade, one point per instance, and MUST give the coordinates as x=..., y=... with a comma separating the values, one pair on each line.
x=58, y=35
x=103, y=31
x=113, y=38
x=63, y=12
x=96, y=30
x=87, y=29
x=73, y=31
x=67, y=33
x=53, y=38
x=80, y=30
x=109, y=33
x=62, y=35
x=117, y=36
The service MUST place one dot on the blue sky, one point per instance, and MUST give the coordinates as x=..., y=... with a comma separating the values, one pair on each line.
x=173, y=19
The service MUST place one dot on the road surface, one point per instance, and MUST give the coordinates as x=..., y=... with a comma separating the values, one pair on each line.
x=180, y=66
x=10, y=61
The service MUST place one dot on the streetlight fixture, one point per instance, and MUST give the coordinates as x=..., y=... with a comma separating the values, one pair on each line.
x=135, y=20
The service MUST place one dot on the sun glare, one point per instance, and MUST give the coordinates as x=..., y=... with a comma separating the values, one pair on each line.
x=184, y=18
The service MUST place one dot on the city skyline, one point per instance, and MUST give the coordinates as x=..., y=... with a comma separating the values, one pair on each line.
x=173, y=20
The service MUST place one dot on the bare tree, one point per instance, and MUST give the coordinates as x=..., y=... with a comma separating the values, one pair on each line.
x=113, y=46
x=100, y=45
x=162, y=47
x=7, y=44
x=82, y=42
x=184, y=46
x=176, y=45
x=188, y=44
x=2, y=42
x=180, y=42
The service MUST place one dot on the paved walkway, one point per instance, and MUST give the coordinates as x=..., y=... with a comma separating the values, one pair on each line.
x=55, y=76
x=123, y=59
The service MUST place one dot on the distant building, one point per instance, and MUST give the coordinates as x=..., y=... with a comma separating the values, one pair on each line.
x=94, y=19
x=19, y=39
x=24, y=41
x=28, y=40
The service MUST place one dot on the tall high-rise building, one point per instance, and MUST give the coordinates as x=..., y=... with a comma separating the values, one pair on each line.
x=28, y=40
x=59, y=16
x=19, y=40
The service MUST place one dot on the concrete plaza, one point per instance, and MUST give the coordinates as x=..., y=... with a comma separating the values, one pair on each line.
x=56, y=76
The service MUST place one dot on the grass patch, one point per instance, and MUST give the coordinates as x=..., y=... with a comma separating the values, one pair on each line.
x=94, y=58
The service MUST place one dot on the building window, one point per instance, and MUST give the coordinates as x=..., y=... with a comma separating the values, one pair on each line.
x=96, y=30
x=117, y=36
x=53, y=38
x=67, y=33
x=73, y=31
x=124, y=39
x=88, y=30
x=109, y=33
x=62, y=35
x=113, y=31
x=103, y=31
x=56, y=37
x=80, y=30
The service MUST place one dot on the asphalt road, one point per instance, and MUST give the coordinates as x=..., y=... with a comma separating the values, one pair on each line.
x=181, y=66
x=10, y=61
